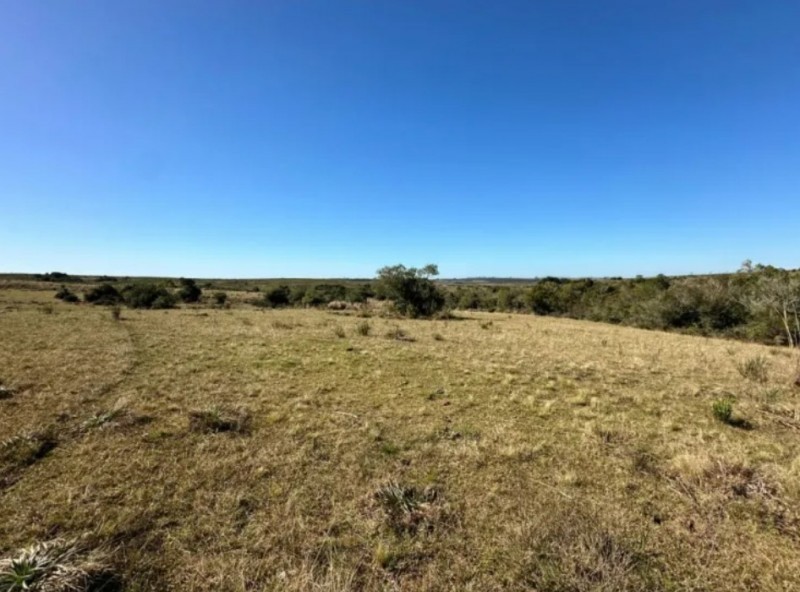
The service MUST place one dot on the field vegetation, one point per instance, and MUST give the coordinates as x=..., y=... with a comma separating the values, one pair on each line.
x=221, y=443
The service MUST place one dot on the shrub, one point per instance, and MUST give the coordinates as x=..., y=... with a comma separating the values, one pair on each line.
x=189, y=291
x=723, y=410
x=412, y=290
x=148, y=296
x=66, y=295
x=220, y=298
x=104, y=294
x=276, y=297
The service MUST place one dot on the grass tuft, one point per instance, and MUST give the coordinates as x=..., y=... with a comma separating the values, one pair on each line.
x=754, y=369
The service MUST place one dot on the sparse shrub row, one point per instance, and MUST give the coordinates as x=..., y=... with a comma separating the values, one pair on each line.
x=139, y=295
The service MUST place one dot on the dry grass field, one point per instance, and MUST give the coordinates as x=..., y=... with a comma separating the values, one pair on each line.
x=245, y=449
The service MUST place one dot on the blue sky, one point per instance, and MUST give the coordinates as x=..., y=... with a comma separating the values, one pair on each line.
x=325, y=138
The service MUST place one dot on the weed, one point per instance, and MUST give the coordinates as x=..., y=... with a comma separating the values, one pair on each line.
x=754, y=369
x=723, y=410
x=55, y=566
x=408, y=508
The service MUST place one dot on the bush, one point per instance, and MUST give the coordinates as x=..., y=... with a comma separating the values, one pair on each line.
x=66, y=295
x=104, y=294
x=148, y=296
x=189, y=291
x=413, y=292
x=220, y=298
x=276, y=297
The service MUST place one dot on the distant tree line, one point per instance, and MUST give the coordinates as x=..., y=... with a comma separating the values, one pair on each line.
x=758, y=303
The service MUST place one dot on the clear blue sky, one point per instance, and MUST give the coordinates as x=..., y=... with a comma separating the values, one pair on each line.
x=328, y=138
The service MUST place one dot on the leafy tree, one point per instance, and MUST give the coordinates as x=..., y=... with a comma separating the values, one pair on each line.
x=775, y=292
x=413, y=291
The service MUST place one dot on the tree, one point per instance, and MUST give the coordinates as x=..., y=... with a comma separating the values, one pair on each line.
x=776, y=292
x=413, y=291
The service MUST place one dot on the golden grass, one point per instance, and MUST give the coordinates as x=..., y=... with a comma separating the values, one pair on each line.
x=564, y=455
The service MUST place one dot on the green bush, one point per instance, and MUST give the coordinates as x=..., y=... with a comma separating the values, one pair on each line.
x=276, y=297
x=104, y=294
x=189, y=291
x=148, y=295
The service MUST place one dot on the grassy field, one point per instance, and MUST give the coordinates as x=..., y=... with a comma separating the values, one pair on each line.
x=244, y=449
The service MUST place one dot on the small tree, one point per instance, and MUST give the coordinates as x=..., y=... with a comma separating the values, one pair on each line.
x=413, y=291
x=776, y=292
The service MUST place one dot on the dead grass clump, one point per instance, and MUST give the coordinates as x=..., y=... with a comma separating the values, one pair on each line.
x=22, y=451
x=737, y=480
x=338, y=330
x=117, y=417
x=56, y=566
x=409, y=509
x=754, y=369
x=363, y=328
x=399, y=334
x=216, y=419
x=278, y=324
x=579, y=552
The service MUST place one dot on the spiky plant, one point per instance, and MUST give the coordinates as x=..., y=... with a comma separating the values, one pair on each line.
x=53, y=566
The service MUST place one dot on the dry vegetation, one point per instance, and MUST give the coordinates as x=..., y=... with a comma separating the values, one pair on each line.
x=243, y=449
